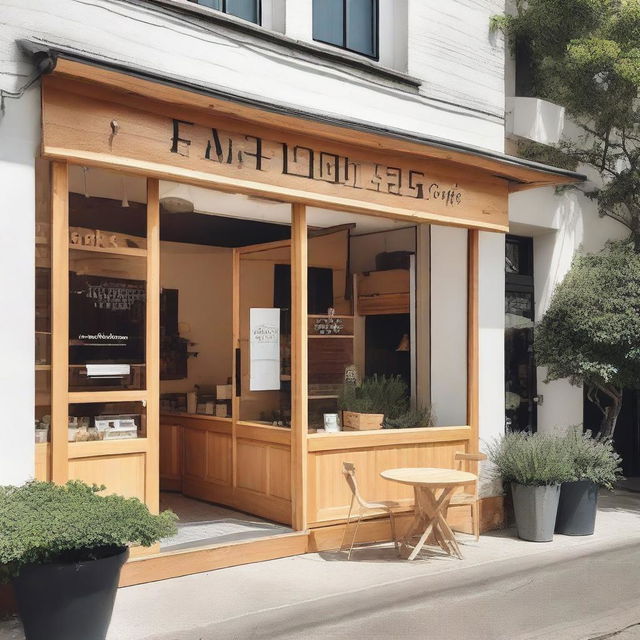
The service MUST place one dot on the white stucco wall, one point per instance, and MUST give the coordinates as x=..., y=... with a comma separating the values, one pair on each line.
x=19, y=139
x=447, y=55
x=449, y=325
x=561, y=224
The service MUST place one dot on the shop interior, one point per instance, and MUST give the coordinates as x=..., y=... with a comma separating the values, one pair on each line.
x=225, y=311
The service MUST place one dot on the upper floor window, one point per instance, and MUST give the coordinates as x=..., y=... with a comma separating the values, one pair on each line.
x=245, y=9
x=349, y=24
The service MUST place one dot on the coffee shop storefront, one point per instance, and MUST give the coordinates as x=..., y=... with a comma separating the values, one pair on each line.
x=286, y=208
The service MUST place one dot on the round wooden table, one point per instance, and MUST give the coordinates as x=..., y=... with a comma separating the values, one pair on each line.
x=430, y=507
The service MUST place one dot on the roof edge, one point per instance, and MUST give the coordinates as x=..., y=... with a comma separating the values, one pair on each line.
x=41, y=50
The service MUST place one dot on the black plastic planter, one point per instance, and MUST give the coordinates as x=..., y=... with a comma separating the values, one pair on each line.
x=71, y=601
x=577, y=508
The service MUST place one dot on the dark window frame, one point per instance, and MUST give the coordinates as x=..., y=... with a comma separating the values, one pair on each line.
x=375, y=29
x=224, y=10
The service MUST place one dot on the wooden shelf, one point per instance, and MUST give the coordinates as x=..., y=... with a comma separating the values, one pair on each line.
x=43, y=367
x=327, y=397
x=326, y=316
x=121, y=251
x=337, y=335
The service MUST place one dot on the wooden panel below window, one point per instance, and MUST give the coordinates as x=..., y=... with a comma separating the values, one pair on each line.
x=171, y=452
x=121, y=474
x=43, y=461
x=252, y=466
x=329, y=495
x=195, y=452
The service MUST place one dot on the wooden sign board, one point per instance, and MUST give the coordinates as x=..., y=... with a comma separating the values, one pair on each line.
x=112, y=129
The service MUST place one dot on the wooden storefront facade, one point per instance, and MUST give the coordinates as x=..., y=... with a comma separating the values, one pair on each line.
x=99, y=117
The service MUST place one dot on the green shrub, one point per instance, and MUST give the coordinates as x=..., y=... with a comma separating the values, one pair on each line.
x=593, y=458
x=41, y=522
x=531, y=459
x=388, y=395
x=418, y=417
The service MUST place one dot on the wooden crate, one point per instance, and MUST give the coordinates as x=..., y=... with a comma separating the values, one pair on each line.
x=352, y=421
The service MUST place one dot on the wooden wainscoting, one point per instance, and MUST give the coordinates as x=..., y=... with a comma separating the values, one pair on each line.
x=372, y=453
x=259, y=484
x=263, y=471
x=43, y=461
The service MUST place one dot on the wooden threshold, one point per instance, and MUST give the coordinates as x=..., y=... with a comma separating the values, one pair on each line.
x=173, y=564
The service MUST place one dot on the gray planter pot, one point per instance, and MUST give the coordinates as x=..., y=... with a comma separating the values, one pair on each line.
x=577, y=508
x=535, y=509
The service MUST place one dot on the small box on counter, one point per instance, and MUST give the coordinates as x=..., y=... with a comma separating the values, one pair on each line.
x=223, y=392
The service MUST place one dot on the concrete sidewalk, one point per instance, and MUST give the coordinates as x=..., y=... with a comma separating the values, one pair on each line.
x=505, y=588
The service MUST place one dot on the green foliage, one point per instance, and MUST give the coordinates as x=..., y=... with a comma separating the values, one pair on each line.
x=531, y=459
x=378, y=394
x=593, y=458
x=412, y=418
x=41, y=522
x=591, y=330
x=585, y=55
x=555, y=156
x=387, y=395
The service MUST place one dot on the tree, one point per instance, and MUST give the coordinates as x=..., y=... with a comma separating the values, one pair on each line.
x=591, y=331
x=585, y=55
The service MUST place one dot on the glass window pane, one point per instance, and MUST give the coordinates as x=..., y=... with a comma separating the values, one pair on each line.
x=361, y=26
x=328, y=21
x=212, y=4
x=107, y=421
x=107, y=321
x=246, y=9
x=265, y=337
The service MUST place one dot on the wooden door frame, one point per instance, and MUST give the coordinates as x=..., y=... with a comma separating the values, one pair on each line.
x=61, y=397
x=299, y=346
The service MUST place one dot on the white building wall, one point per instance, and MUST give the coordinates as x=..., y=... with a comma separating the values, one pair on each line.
x=561, y=225
x=449, y=325
x=19, y=139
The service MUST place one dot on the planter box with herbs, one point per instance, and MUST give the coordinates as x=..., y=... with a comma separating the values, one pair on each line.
x=380, y=402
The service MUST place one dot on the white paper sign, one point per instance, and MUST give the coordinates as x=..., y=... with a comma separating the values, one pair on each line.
x=264, y=349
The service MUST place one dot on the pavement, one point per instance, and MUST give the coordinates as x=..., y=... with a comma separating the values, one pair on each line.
x=574, y=588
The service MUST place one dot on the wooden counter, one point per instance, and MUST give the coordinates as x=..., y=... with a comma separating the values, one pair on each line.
x=245, y=465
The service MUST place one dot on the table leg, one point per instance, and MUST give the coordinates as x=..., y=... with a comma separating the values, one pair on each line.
x=432, y=511
x=417, y=524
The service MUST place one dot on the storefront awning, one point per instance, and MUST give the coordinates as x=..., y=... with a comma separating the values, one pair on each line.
x=425, y=178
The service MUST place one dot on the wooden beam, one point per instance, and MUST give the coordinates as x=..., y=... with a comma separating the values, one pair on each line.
x=126, y=395
x=236, y=363
x=139, y=91
x=385, y=438
x=152, y=462
x=59, y=322
x=473, y=339
x=182, y=563
x=299, y=368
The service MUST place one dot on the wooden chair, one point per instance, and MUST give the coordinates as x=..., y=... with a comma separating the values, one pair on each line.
x=464, y=461
x=349, y=472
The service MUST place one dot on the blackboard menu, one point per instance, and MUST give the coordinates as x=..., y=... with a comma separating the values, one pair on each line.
x=106, y=320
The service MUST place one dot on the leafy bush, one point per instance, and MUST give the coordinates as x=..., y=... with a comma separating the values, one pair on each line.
x=531, y=459
x=41, y=522
x=418, y=417
x=388, y=395
x=593, y=458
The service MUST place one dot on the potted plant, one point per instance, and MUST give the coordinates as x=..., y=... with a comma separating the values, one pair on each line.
x=535, y=465
x=380, y=402
x=595, y=464
x=63, y=548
